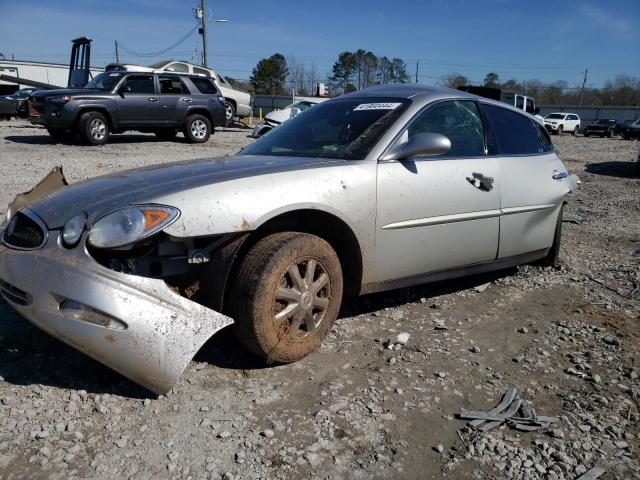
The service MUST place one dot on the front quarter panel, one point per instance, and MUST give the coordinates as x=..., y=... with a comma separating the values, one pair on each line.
x=345, y=189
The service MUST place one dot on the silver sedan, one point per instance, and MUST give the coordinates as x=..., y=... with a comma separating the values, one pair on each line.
x=378, y=189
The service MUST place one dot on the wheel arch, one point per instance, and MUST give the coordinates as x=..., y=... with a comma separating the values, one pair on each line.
x=199, y=111
x=321, y=223
x=95, y=108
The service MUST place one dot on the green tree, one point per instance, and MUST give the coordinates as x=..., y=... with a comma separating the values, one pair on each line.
x=342, y=71
x=399, y=71
x=492, y=80
x=269, y=75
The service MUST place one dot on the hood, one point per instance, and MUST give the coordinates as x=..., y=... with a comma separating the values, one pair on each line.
x=63, y=91
x=101, y=195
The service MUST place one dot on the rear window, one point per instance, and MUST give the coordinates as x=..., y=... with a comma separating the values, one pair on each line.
x=511, y=133
x=205, y=85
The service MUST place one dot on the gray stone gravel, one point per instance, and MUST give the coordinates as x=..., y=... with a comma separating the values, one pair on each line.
x=355, y=409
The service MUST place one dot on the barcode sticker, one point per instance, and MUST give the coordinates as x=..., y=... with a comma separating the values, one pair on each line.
x=376, y=106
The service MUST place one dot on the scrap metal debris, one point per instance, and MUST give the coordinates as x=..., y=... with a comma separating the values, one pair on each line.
x=512, y=410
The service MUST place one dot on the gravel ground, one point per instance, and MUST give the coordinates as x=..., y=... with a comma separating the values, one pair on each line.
x=568, y=339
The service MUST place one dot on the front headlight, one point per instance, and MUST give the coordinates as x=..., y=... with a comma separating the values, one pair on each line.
x=127, y=226
x=60, y=100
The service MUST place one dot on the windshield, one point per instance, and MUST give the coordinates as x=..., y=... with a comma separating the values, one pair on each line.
x=555, y=116
x=105, y=81
x=605, y=122
x=344, y=129
x=302, y=105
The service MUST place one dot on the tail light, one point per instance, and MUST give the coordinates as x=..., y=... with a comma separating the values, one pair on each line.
x=33, y=111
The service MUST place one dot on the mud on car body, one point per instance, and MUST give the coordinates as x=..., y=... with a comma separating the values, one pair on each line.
x=379, y=189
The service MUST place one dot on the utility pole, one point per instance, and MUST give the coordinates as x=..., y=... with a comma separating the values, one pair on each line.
x=584, y=82
x=117, y=56
x=203, y=32
x=417, y=66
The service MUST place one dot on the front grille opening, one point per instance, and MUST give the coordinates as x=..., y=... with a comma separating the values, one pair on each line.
x=24, y=232
x=15, y=295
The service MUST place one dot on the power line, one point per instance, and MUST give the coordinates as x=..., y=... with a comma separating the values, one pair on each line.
x=160, y=52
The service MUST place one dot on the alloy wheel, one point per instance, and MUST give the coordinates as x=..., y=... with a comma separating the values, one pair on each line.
x=98, y=129
x=302, y=298
x=199, y=129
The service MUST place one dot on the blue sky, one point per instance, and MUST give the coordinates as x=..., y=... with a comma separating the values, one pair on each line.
x=547, y=40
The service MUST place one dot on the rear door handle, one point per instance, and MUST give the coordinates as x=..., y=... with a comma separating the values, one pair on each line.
x=152, y=99
x=186, y=99
x=559, y=175
x=481, y=182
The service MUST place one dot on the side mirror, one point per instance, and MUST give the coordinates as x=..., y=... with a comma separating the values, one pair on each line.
x=420, y=144
x=124, y=89
x=536, y=110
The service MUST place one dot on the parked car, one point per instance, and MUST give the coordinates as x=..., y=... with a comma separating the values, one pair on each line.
x=630, y=131
x=510, y=97
x=238, y=103
x=115, y=102
x=15, y=104
x=602, y=128
x=559, y=123
x=382, y=188
x=276, y=117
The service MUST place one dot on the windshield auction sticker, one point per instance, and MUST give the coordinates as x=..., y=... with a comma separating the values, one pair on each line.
x=377, y=106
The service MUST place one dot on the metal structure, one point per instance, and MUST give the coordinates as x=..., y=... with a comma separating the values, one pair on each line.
x=80, y=63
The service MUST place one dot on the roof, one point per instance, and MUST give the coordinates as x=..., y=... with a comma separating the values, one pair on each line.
x=404, y=90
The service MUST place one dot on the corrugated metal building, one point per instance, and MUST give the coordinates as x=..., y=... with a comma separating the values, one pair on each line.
x=51, y=73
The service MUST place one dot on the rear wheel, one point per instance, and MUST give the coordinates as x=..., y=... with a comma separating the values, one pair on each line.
x=610, y=133
x=586, y=133
x=553, y=257
x=166, y=133
x=286, y=296
x=61, y=135
x=94, y=128
x=197, y=128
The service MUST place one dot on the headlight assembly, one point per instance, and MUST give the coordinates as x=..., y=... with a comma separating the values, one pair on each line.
x=131, y=224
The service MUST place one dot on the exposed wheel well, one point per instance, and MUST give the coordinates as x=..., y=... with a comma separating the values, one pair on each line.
x=316, y=222
x=232, y=102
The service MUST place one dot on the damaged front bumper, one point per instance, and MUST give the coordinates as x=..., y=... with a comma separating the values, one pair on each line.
x=134, y=325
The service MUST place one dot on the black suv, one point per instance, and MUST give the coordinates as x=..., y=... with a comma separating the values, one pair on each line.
x=116, y=101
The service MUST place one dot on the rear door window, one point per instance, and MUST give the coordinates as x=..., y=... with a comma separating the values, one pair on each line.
x=140, y=84
x=511, y=133
x=170, y=85
x=205, y=85
x=459, y=121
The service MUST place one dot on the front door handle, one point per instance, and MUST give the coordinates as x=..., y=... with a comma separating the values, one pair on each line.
x=186, y=99
x=153, y=99
x=559, y=175
x=481, y=182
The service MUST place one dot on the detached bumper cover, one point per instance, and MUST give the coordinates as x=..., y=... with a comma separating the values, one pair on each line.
x=134, y=325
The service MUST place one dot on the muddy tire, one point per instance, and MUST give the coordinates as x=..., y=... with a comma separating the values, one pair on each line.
x=94, y=128
x=63, y=136
x=197, y=128
x=286, y=296
x=553, y=257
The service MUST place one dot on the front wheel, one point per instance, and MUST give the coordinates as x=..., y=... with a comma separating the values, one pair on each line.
x=559, y=131
x=610, y=135
x=286, y=296
x=197, y=128
x=229, y=113
x=576, y=131
x=94, y=128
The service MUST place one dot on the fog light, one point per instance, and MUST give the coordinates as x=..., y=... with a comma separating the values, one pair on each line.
x=73, y=229
x=85, y=313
